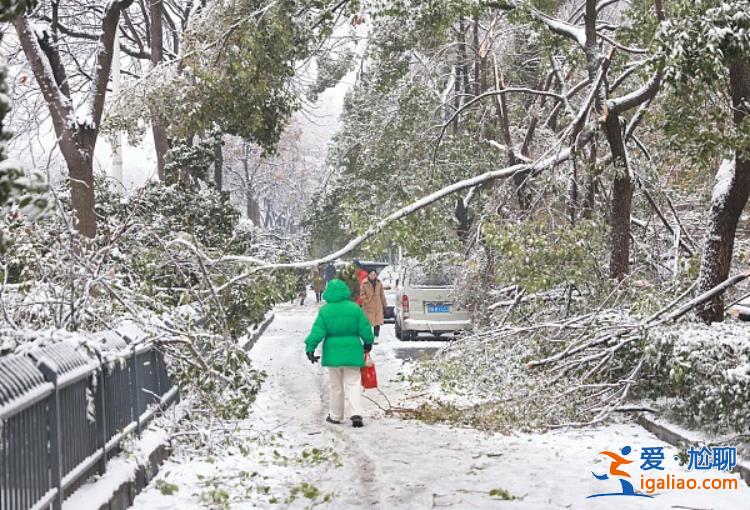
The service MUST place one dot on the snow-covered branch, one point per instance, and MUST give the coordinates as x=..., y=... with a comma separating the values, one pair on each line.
x=504, y=173
x=576, y=33
x=637, y=97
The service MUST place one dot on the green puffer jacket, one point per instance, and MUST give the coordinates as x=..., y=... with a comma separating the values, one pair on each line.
x=342, y=326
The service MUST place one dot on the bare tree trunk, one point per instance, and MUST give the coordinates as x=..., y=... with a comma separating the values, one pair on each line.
x=218, y=164
x=161, y=145
x=572, y=194
x=729, y=199
x=461, y=213
x=519, y=179
x=622, y=200
x=252, y=207
x=478, y=60
x=82, y=192
x=76, y=137
x=161, y=141
x=589, y=194
x=622, y=185
x=460, y=68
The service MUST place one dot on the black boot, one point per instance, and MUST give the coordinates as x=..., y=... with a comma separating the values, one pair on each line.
x=357, y=421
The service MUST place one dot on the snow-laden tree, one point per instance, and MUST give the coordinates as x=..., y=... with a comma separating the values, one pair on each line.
x=76, y=117
x=273, y=190
x=704, y=50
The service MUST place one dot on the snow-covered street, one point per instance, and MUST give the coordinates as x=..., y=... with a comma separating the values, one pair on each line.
x=288, y=457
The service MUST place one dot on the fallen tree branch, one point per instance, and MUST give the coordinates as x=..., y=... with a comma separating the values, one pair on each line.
x=504, y=173
x=706, y=296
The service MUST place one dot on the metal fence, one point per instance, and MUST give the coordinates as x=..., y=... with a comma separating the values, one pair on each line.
x=63, y=415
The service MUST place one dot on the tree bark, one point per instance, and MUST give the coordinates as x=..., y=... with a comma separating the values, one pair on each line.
x=460, y=68
x=727, y=203
x=82, y=191
x=622, y=199
x=622, y=184
x=461, y=213
x=161, y=140
x=589, y=194
x=218, y=165
x=251, y=204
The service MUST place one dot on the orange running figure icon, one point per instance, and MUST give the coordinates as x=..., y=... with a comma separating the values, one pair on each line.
x=617, y=461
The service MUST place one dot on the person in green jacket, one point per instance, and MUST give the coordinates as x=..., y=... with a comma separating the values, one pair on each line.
x=346, y=334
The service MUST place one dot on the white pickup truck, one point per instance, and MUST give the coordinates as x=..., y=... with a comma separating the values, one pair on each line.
x=424, y=302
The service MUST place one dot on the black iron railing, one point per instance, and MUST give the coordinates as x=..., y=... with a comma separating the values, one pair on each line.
x=63, y=415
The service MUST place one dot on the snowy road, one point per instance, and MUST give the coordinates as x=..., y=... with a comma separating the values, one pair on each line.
x=287, y=457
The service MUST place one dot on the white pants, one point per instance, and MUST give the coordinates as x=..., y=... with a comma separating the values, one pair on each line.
x=346, y=392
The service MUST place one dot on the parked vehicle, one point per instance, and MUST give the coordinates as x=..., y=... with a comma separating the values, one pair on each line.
x=424, y=302
x=389, y=276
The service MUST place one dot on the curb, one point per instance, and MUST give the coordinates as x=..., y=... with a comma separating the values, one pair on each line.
x=254, y=335
x=124, y=496
x=678, y=440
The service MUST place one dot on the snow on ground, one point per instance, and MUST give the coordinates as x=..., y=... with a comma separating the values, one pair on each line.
x=289, y=458
x=120, y=470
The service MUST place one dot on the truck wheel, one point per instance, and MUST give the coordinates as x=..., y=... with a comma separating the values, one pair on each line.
x=397, y=327
x=408, y=336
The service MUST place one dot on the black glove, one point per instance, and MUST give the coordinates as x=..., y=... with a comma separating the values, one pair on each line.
x=368, y=347
x=312, y=357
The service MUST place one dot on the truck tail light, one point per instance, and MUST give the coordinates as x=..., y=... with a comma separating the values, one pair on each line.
x=405, y=305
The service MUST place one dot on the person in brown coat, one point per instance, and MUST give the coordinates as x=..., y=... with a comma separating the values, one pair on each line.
x=373, y=301
x=318, y=284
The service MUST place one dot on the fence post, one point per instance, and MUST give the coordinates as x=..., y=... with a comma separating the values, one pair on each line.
x=53, y=416
x=156, y=367
x=101, y=419
x=135, y=391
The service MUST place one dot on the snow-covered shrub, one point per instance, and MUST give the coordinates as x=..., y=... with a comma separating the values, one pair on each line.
x=218, y=373
x=206, y=220
x=19, y=193
x=203, y=214
x=703, y=36
x=191, y=160
x=706, y=372
x=136, y=270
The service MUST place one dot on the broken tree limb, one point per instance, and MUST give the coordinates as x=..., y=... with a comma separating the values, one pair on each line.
x=672, y=304
x=677, y=219
x=663, y=218
x=706, y=296
x=530, y=169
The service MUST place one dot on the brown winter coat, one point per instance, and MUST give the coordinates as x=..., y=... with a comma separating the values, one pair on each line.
x=373, y=301
x=318, y=282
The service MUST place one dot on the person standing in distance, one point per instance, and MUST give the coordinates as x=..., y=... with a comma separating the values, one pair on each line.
x=373, y=301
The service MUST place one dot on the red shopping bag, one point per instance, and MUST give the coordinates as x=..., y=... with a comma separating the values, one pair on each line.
x=369, y=376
